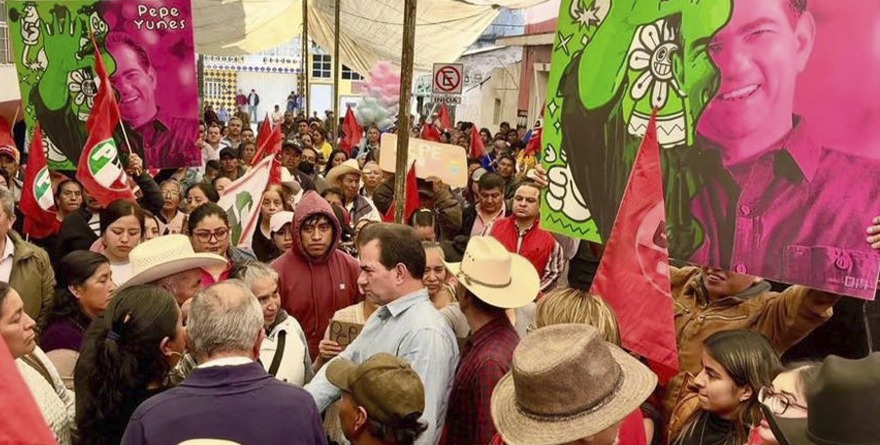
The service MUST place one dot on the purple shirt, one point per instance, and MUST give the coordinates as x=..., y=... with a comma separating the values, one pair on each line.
x=62, y=334
x=170, y=142
x=796, y=214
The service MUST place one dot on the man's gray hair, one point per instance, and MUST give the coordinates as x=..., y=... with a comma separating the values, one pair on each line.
x=254, y=271
x=224, y=317
x=7, y=202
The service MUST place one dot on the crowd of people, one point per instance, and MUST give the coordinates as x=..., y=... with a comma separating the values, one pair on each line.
x=141, y=322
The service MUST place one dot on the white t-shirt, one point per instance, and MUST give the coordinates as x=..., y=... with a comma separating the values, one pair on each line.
x=121, y=272
x=6, y=260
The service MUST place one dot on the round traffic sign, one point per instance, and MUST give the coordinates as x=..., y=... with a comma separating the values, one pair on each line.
x=448, y=79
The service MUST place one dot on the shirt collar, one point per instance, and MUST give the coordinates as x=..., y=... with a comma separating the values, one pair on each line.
x=227, y=361
x=403, y=303
x=802, y=149
x=9, y=250
x=488, y=331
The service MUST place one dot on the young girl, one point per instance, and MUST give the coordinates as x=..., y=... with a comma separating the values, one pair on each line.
x=720, y=405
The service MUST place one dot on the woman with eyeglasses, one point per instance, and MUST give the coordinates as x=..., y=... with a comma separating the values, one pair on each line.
x=126, y=357
x=786, y=398
x=720, y=405
x=209, y=232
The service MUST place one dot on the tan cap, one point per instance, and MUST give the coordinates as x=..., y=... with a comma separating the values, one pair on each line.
x=385, y=385
x=279, y=220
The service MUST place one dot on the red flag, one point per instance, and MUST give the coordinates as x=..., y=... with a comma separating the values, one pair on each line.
x=413, y=202
x=21, y=422
x=99, y=169
x=633, y=276
x=264, y=133
x=270, y=146
x=443, y=115
x=37, y=202
x=352, y=130
x=6, y=139
x=430, y=133
x=478, y=149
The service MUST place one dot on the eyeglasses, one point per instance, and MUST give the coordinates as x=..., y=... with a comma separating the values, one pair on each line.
x=778, y=402
x=205, y=237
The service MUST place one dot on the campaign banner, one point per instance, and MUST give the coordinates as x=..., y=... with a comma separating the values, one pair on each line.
x=768, y=122
x=445, y=161
x=148, y=48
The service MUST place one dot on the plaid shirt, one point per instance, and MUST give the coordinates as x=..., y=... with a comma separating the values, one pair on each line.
x=486, y=359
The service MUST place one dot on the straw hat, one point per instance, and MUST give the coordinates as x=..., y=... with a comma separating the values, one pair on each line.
x=165, y=256
x=347, y=167
x=496, y=276
x=565, y=384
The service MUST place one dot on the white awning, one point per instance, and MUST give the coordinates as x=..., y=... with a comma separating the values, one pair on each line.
x=371, y=30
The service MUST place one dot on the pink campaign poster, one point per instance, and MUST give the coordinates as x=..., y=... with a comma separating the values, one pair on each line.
x=768, y=121
x=148, y=47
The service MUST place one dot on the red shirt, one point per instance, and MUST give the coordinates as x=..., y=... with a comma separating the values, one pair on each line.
x=486, y=358
x=632, y=431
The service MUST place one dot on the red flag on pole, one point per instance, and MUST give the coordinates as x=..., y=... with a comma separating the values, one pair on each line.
x=270, y=146
x=443, y=115
x=352, y=130
x=633, y=276
x=430, y=133
x=37, y=202
x=264, y=133
x=413, y=202
x=99, y=169
x=21, y=422
x=478, y=149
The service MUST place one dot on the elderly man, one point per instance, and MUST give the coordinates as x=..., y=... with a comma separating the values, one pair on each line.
x=382, y=400
x=495, y=280
x=347, y=177
x=24, y=266
x=229, y=396
x=170, y=263
x=558, y=391
x=315, y=278
x=406, y=324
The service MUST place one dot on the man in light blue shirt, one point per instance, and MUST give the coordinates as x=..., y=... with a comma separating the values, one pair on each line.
x=406, y=324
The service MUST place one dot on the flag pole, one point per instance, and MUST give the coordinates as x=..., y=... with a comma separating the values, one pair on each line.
x=406, y=75
x=334, y=123
x=306, y=102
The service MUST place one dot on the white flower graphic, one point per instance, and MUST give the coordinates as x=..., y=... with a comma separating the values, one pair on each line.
x=652, y=53
x=82, y=83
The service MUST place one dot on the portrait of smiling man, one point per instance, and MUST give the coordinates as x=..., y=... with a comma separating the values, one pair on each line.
x=167, y=141
x=772, y=199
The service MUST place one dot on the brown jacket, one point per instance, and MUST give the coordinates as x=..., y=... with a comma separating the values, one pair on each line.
x=32, y=277
x=785, y=318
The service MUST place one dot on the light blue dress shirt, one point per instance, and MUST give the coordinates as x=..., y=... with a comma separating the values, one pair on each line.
x=412, y=329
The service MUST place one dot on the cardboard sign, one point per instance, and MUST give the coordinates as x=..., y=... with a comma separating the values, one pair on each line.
x=445, y=161
x=344, y=333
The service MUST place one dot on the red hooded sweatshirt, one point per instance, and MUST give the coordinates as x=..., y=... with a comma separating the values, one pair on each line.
x=313, y=288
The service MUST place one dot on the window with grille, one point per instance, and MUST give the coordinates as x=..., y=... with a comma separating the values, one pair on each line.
x=321, y=66
x=350, y=74
x=5, y=44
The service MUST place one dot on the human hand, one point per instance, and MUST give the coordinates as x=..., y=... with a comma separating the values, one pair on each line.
x=539, y=176
x=327, y=349
x=874, y=233
x=135, y=165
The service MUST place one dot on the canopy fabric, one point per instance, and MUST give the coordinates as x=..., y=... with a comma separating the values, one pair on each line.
x=371, y=30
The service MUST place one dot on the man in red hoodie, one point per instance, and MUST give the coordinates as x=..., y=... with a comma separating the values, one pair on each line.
x=316, y=279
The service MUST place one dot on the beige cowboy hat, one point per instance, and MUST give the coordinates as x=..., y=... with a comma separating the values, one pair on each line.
x=165, y=256
x=496, y=276
x=347, y=167
x=566, y=384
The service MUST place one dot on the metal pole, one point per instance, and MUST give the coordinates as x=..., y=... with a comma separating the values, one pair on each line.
x=336, y=73
x=406, y=77
x=306, y=101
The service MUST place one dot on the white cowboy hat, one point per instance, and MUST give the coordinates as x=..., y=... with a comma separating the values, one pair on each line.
x=348, y=167
x=165, y=256
x=496, y=276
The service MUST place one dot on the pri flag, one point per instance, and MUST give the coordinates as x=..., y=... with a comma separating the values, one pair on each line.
x=37, y=202
x=430, y=133
x=21, y=422
x=99, y=169
x=633, y=276
x=352, y=130
x=413, y=202
x=241, y=201
x=269, y=145
x=443, y=116
x=478, y=149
